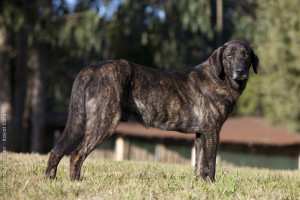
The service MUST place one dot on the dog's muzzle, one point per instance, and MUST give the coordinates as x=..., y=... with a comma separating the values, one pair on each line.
x=240, y=74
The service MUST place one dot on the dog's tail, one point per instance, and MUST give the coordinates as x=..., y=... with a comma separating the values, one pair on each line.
x=77, y=112
x=74, y=130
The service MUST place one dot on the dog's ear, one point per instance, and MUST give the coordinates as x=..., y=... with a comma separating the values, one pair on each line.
x=216, y=62
x=254, y=60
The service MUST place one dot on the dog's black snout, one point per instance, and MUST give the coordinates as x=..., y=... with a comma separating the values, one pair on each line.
x=240, y=73
x=240, y=70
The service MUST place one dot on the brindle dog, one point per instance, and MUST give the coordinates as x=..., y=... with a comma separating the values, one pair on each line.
x=196, y=100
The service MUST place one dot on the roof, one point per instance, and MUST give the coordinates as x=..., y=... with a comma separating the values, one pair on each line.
x=242, y=130
x=257, y=130
x=133, y=128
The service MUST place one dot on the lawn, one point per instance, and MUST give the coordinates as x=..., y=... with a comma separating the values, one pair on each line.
x=102, y=179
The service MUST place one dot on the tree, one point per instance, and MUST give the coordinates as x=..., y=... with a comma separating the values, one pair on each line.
x=277, y=38
x=274, y=29
x=5, y=95
x=8, y=27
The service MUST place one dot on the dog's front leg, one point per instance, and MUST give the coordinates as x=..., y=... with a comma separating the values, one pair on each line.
x=200, y=164
x=206, y=151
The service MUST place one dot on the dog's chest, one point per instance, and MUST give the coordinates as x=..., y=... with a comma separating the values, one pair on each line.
x=172, y=114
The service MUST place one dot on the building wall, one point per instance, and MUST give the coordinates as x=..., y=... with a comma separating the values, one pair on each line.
x=149, y=150
x=259, y=160
x=139, y=151
x=144, y=150
x=105, y=151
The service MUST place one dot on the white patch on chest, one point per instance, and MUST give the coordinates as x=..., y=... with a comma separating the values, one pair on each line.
x=143, y=111
x=91, y=104
x=198, y=113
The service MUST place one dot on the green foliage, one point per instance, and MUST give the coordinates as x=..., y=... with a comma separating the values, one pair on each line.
x=196, y=16
x=139, y=180
x=250, y=102
x=278, y=45
x=274, y=29
x=135, y=31
x=11, y=16
x=242, y=19
x=77, y=31
x=165, y=34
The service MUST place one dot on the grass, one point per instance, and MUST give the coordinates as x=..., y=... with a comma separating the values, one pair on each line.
x=102, y=179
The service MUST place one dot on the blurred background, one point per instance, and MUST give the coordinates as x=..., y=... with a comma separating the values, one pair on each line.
x=44, y=44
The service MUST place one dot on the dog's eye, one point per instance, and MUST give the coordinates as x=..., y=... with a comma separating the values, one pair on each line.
x=246, y=54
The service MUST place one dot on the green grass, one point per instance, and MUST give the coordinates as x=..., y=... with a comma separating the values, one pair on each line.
x=103, y=179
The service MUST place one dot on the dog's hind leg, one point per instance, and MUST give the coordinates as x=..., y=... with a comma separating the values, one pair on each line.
x=73, y=132
x=102, y=121
x=67, y=140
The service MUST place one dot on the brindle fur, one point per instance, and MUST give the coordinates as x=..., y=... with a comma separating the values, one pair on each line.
x=196, y=100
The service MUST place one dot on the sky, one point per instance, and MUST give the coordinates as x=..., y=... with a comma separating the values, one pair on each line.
x=109, y=9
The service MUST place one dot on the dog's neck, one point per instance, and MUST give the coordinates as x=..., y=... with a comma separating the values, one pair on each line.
x=235, y=92
x=225, y=89
x=237, y=87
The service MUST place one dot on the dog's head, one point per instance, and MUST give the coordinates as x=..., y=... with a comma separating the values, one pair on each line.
x=234, y=58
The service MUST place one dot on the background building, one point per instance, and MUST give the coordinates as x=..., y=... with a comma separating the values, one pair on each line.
x=244, y=141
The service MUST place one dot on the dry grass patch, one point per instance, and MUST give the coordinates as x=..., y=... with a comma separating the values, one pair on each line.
x=102, y=179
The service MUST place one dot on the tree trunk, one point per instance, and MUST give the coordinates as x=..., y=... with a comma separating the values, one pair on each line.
x=37, y=102
x=6, y=126
x=20, y=84
x=219, y=22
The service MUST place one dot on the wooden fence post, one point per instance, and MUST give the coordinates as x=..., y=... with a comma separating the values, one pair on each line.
x=119, y=149
x=193, y=156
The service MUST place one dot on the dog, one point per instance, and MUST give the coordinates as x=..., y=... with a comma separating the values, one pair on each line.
x=196, y=100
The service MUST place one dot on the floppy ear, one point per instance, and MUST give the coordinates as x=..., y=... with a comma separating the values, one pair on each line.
x=254, y=60
x=215, y=61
